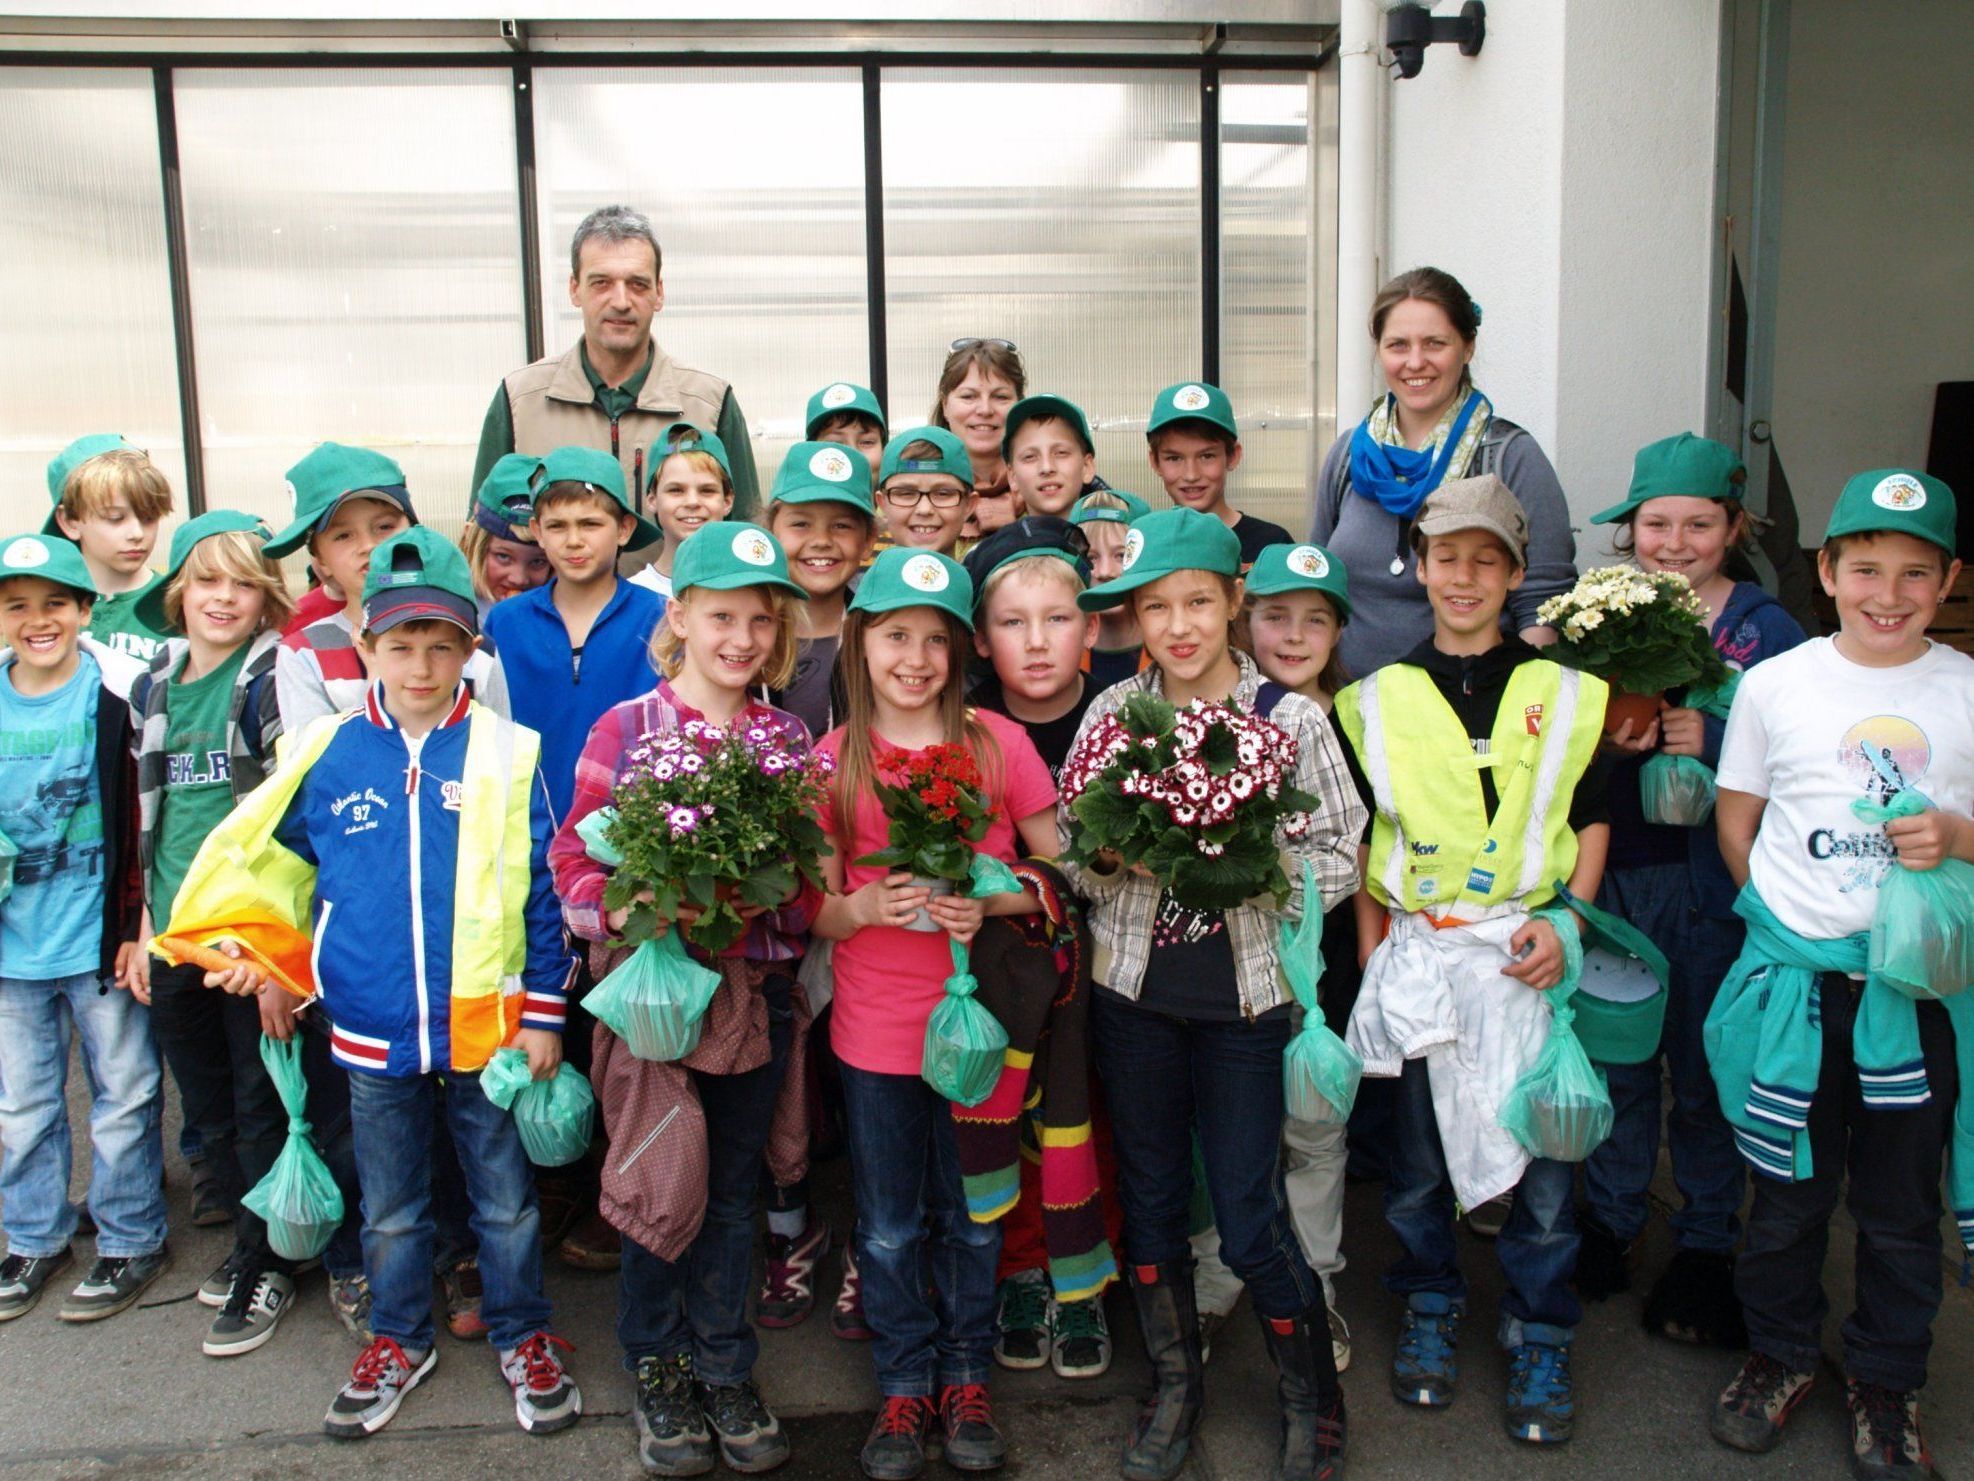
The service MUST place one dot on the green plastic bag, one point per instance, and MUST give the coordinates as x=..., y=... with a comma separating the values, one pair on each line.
x=298, y=1198
x=555, y=1117
x=1922, y=934
x=1320, y=1073
x=592, y=830
x=1560, y=1108
x=965, y=1045
x=655, y=999
x=8, y=853
x=1677, y=791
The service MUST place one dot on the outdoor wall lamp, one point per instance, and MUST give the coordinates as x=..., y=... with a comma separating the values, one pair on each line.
x=1410, y=29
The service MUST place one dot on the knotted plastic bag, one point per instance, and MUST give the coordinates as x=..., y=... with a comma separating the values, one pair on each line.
x=1922, y=935
x=655, y=999
x=555, y=1117
x=965, y=1045
x=1320, y=1072
x=1560, y=1107
x=1677, y=791
x=298, y=1198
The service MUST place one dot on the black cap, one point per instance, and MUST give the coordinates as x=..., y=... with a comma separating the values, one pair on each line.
x=1032, y=534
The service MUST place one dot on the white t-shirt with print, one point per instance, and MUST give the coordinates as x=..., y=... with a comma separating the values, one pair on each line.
x=1813, y=732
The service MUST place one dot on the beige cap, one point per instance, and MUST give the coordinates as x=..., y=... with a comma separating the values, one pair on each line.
x=1484, y=503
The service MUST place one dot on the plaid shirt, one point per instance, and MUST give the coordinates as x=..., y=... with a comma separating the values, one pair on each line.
x=1125, y=903
x=249, y=739
x=777, y=936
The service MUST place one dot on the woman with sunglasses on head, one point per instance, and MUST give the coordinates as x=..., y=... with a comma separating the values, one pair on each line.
x=981, y=379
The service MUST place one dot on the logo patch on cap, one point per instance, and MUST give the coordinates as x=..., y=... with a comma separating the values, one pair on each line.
x=831, y=463
x=1901, y=491
x=838, y=395
x=1191, y=398
x=925, y=573
x=26, y=555
x=1307, y=560
x=1134, y=546
x=753, y=547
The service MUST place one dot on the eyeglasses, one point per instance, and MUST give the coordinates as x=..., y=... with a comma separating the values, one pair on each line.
x=908, y=498
x=959, y=345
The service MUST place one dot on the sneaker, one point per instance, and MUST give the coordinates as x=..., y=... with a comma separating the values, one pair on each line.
x=460, y=1289
x=349, y=1298
x=1885, y=1438
x=23, y=1278
x=894, y=1450
x=751, y=1438
x=258, y=1301
x=113, y=1283
x=210, y=1208
x=1750, y=1412
x=1339, y=1339
x=546, y=1398
x=1023, y=1320
x=594, y=1244
x=847, y=1320
x=672, y=1439
x=788, y=1279
x=1209, y=1326
x=966, y=1418
x=215, y=1288
x=1425, y=1369
x=1487, y=1221
x=1541, y=1398
x=379, y=1379
x=1080, y=1347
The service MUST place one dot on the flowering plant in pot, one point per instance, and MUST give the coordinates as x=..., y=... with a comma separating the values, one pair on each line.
x=1642, y=632
x=937, y=808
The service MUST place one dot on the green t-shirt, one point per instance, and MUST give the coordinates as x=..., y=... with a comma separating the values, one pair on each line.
x=198, y=789
x=113, y=622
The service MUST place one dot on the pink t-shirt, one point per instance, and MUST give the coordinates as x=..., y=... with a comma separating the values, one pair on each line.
x=888, y=979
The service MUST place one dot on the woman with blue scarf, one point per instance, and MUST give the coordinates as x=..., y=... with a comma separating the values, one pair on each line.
x=1431, y=425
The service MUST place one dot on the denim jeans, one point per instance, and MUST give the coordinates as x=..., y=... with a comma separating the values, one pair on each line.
x=912, y=1221
x=335, y=1139
x=1537, y=1246
x=1165, y=1076
x=392, y=1117
x=126, y=1117
x=1659, y=900
x=699, y=1303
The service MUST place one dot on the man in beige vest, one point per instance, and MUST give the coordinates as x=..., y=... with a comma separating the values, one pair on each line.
x=615, y=389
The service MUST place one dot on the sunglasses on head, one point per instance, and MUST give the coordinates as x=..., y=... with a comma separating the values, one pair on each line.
x=960, y=345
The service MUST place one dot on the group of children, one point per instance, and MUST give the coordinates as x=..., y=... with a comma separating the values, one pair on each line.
x=399, y=881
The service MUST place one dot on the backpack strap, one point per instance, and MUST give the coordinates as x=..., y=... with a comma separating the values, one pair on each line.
x=1267, y=696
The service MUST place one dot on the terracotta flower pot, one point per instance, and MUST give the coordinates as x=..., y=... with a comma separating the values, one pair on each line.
x=1639, y=709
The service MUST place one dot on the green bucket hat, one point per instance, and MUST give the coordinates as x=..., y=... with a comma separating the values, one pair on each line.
x=1192, y=401
x=150, y=607
x=837, y=398
x=51, y=558
x=418, y=573
x=1688, y=466
x=1163, y=542
x=953, y=457
x=1620, y=1000
x=1896, y=500
x=330, y=474
x=74, y=456
x=506, y=500
x=1082, y=512
x=602, y=474
x=915, y=578
x=1280, y=568
x=819, y=472
x=730, y=553
x=1032, y=408
x=689, y=437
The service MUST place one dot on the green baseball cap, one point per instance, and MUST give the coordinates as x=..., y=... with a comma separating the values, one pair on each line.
x=818, y=472
x=418, y=573
x=1688, y=466
x=506, y=500
x=839, y=397
x=1192, y=401
x=1033, y=408
x=602, y=474
x=51, y=558
x=1163, y=542
x=953, y=457
x=690, y=437
x=730, y=553
x=1280, y=568
x=74, y=456
x=1083, y=513
x=150, y=607
x=1896, y=501
x=915, y=578
x=331, y=474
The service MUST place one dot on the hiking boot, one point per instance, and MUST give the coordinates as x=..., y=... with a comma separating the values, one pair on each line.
x=1425, y=1368
x=1209, y=1327
x=594, y=1244
x=1080, y=1347
x=215, y=1288
x=461, y=1292
x=894, y=1450
x=1023, y=1320
x=973, y=1441
x=1339, y=1339
x=1603, y=1264
x=788, y=1276
x=1541, y=1405
x=1885, y=1438
x=1751, y=1411
x=672, y=1438
x=113, y=1283
x=349, y=1298
x=1170, y=1322
x=546, y=1398
x=1313, y=1426
x=210, y=1207
x=1694, y=1301
x=254, y=1307
x=751, y=1438
x=379, y=1379
x=847, y=1319
x=24, y=1277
